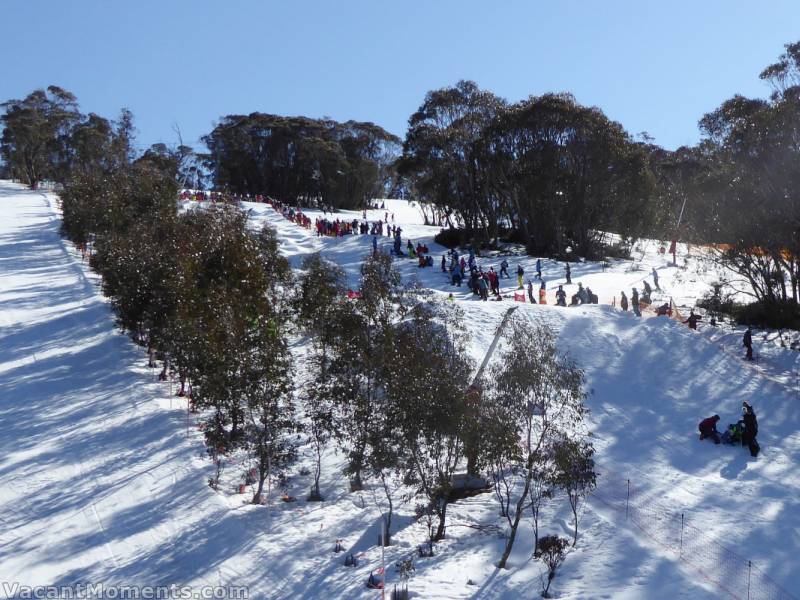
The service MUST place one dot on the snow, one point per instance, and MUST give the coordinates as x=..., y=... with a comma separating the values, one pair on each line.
x=105, y=474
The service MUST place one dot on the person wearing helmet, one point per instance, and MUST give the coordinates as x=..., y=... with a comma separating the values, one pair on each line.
x=708, y=429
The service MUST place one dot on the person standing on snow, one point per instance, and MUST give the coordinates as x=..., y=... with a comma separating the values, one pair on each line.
x=455, y=276
x=494, y=282
x=747, y=342
x=655, y=278
x=483, y=288
x=568, y=272
x=504, y=269
x=444, y=264
x=750, y=429
x=692, y=320
x=539, y=268
x=520, y=273
x=530, y=292
x=623, y=302
x=635, y=302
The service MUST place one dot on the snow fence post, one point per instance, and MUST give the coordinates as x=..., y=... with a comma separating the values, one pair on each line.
x=749, y=568
x=680, y=551
x=627, y=499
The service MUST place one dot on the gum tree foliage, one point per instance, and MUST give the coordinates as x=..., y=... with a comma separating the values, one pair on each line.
x=35, y=133
x=740, y=185
x=427, y=404
x=552, y=551
x=45, y=136
x=536, y=398
x=438, y=159
x=351, y=382
x=321, y=291
x=299, y=159
x=563, y=172
x=574, y=472
x=547, y=169
x=320, y=306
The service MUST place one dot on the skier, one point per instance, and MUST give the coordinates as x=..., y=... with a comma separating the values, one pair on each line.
x=539, y=268
x=504, y=269
x=635, y=302
x=568, y=272
x=530, y=292
x=655, y=278
x=747, y=342
x=561, y=296
x=692, y=320
x=750, y=429
x=520, y=273
x=623, y=302
x=708, y=429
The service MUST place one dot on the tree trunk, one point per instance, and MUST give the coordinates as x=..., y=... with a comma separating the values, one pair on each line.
x=510, y=541
x=575, y=516
x=440, y=529
x=260, y=490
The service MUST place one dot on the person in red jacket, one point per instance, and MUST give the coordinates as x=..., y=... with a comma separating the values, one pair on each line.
x=708, y=428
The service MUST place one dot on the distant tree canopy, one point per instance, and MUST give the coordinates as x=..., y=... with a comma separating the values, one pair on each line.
x=313, y=161
x=554, y=172
x=35, y=131
x=741, y=184
x=46, y=137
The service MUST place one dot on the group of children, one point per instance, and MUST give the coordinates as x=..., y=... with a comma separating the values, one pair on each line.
x=743, y=432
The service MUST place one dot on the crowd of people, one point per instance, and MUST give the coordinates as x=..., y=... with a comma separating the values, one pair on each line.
x=462, y=269
x=213, y=196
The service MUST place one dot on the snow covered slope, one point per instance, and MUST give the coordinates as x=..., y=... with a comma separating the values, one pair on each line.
x=104, y=476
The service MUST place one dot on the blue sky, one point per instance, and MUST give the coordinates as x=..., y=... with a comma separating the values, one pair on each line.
x=654, y=66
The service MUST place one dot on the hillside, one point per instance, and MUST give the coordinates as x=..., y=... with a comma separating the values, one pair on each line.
x=106, y=472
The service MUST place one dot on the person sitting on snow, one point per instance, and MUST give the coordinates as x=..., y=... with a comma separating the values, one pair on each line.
x=708, y=429
x=410, y=247
x=455, y=276
x=733, y=434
